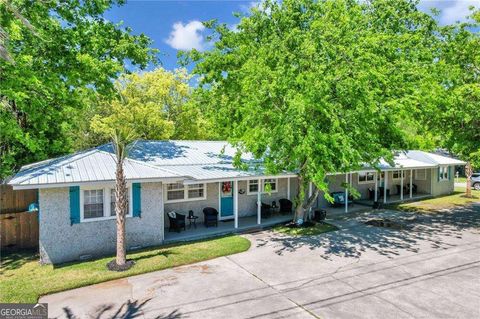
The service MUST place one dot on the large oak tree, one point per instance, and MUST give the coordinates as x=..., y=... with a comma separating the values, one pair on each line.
x=57, y=57
x=320, y=86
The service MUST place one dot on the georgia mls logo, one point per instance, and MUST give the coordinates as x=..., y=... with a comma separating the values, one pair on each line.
x=23, y=311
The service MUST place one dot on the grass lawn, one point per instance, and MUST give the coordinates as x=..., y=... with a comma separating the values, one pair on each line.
x=444, y=202
x=319, y=228
x=24, y=280
x=460, y=180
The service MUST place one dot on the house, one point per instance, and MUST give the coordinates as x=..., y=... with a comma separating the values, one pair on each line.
x=76, y=198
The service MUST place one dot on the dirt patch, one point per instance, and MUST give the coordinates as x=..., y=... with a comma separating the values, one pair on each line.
x=387, y=223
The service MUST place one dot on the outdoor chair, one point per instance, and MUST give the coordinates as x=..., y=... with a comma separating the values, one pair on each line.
x=339, y=199
x=286, y=206
x=265, y=210
x=177, y=221
x=210, y=217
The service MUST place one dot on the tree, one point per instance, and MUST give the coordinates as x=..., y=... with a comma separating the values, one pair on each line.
x=149, y=105
x=319, y=86
x=456, y=118
x=59, y=57
x=157, y=104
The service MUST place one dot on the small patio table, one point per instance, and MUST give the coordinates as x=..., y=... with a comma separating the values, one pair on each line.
x=192, y=220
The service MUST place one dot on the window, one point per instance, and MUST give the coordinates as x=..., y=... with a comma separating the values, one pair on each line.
x=253, y=185
x=93, y=203
x=421, y=174
x=270, y=184
x=397, y=174
x=112, y=202
x=195, y=191
x=178, y=192
x=99, y=203
x=366, y=177
x=175, y=191
x=443, y=173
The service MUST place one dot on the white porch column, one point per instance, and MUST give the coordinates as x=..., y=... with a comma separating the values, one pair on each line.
x=401, y=184
x=411, y=177
x=346, y=192
x=376, y=186
x=288, y=188
x=385, y=181
x=235, y=202
x=259, y=207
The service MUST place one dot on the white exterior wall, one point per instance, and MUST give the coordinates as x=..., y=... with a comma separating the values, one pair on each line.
x=442, y=187
x=61, y=242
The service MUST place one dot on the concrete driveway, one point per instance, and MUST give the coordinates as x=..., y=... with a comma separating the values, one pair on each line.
x=429, y=269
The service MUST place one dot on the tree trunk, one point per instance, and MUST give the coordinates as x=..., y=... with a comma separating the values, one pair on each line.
x=468, y=174
x=120, y=210
x=304, y=204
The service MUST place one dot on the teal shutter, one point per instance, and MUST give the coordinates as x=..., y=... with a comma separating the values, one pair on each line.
x=137, y=199
x=438, y=174
x=74, y=205
x=449, y=173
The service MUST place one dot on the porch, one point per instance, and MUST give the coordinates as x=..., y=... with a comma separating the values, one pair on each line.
x=224, y=227
x=394, y=199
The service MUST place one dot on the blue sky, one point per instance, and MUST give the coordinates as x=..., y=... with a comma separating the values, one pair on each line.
x=176, y=25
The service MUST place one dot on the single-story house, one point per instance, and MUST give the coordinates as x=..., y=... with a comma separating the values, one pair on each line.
x=76, y=197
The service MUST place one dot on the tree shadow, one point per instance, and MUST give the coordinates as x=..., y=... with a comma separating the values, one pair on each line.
x=16, y=259
x=128, y=310
x=357, y=239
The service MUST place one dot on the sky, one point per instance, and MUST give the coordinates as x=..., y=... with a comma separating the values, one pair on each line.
x=177, y=25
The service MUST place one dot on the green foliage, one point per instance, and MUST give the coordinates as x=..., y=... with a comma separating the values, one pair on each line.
x=151, y=105
x=456, y=118
x=320, y=86
x=62, y=54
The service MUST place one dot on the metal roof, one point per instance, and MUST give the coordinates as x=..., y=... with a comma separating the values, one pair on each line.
x=174, y=160
x=94, y=165
x=168, y=153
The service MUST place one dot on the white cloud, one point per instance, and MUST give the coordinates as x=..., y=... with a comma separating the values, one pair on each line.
x=450, y=10
x=187, y=36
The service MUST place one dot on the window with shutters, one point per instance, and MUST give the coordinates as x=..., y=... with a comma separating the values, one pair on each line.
x=98, y=203
x=443, y=173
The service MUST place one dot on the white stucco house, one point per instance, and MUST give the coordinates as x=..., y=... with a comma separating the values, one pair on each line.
x=76, y=198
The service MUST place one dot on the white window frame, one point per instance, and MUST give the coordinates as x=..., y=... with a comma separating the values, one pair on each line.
x=185, y=194
x=248, y=186
x=261, y=186
x=443, y=172
x=421, y=178
x=401, y=175
x=107, y=189
x=366, y=181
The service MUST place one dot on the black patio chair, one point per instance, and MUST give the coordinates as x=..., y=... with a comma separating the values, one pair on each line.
x=177, y=222
x=210, y=217
x=265, y=210
x=286, y=206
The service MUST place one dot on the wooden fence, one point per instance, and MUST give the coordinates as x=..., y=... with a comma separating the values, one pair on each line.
x=18, y=228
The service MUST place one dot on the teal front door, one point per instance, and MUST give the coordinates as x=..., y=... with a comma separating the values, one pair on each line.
x=226, y=200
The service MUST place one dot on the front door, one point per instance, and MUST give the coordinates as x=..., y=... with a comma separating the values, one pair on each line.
x=226, y=200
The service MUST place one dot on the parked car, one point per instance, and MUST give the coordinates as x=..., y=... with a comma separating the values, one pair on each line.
x=475, y=180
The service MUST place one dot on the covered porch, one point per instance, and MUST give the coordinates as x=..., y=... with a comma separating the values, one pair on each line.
x=249, y=223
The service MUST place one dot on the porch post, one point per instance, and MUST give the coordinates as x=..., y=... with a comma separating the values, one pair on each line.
x=235, y=202
x=288, y=188
x=385, y=181
x=401, y=184
x=376, y=186
x=411, y=176
x=259, y=206
x=346, y=192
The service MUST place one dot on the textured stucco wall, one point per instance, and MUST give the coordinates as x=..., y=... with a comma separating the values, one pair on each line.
x=442, y=187
x=61, y=242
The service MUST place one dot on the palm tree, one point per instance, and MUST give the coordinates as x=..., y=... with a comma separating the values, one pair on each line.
x=468, y=174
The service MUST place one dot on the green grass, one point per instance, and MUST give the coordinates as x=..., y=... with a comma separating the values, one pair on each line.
x=461, y=180
x=457, y=199
x=319, y=228
x=23, y=279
